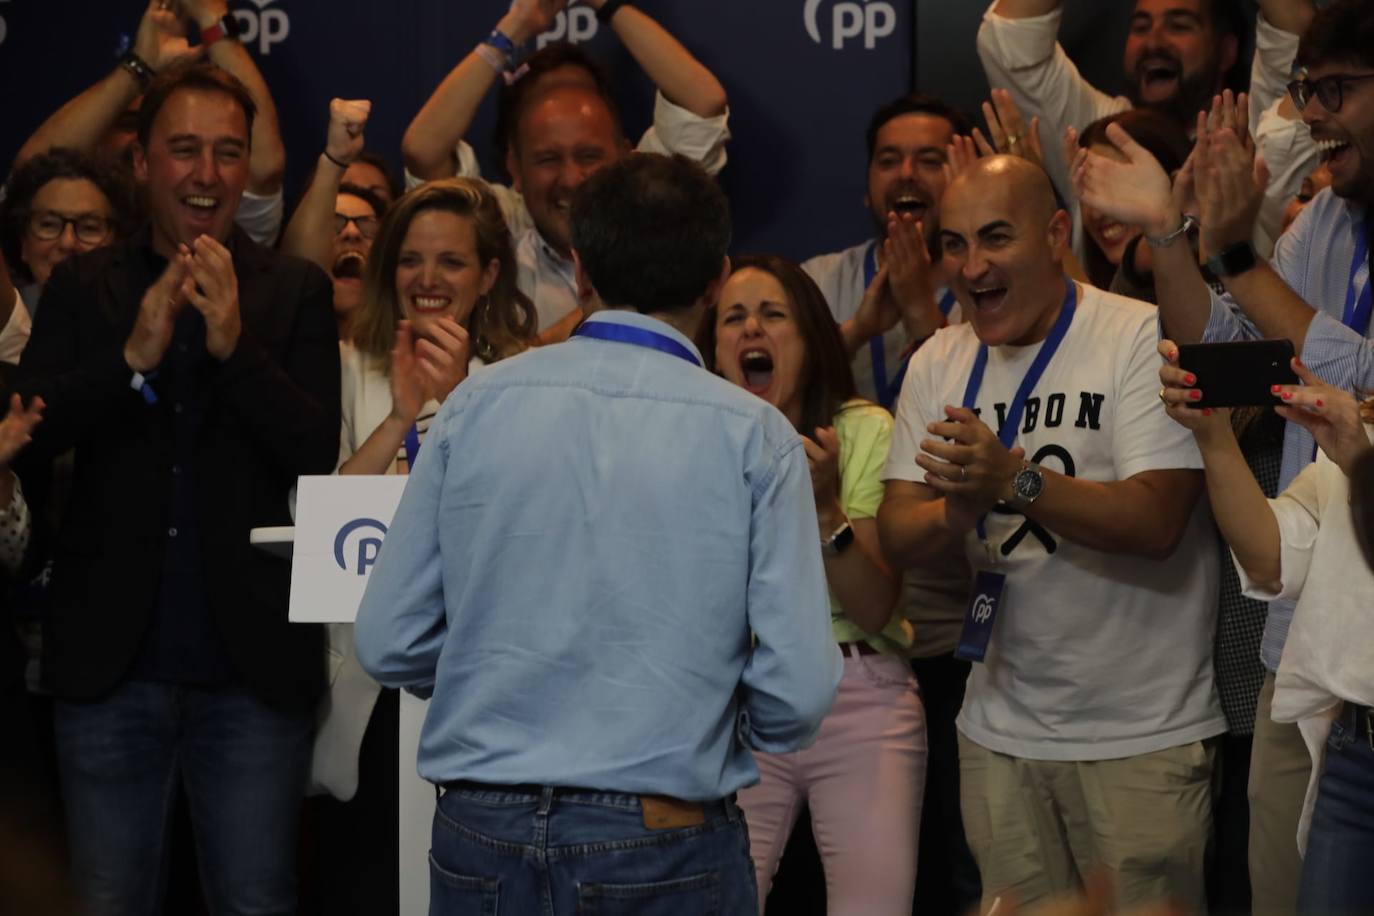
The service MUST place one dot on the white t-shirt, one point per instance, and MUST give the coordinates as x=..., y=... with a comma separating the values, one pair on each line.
x=1093, y=656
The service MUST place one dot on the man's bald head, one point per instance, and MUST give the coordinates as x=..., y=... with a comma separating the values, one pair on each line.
x=1021, y=180
x=1002, y=240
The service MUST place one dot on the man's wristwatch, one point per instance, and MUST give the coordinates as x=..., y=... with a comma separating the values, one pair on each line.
x=839, y=540
x=227, y=27
x=1232, y=260
x=1027, y=485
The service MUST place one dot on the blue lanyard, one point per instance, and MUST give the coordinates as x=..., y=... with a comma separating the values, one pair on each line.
x=886, y=392
x=1358, y=302
x=412, y=444
x=639, y=337
x=1037, y=368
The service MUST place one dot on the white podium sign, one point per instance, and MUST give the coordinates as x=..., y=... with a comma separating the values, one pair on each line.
x=341, y=521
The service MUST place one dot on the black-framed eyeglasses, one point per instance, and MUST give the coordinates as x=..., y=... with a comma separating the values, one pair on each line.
x=1329, y=90
x=367, y=225
x=90, y=228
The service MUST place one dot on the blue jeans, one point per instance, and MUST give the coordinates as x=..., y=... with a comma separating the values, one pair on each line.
x=584, y=853
x=243, y=767
x=1336, y=873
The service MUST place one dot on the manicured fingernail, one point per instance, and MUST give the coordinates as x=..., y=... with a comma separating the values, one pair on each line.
x=1274, y=389
x=1206, y=411
x=1195, y=395
x=1319, y=403
x=1173, y=355
x=1287, y=395
x=1190, y=379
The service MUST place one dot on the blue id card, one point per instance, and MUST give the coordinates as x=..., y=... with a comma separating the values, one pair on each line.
x=983, y=605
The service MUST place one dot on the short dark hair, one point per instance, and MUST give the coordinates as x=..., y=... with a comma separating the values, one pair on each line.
x=651, y=231
x=827, y=380
x=1340, y=33
x=60, y=163
x=200, y=76
x=367, y=196
x=378, y=162
x=915, y=103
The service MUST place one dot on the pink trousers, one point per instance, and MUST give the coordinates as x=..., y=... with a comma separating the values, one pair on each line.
x=863, y=780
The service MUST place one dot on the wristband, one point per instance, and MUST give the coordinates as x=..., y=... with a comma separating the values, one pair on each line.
x=1164, y=241
x=501, y=42
x=609, y=9
x=138, y=68
x=342, y=165
x=492, y=57
x=143, y=384
x=227, y=27
x=839, y=539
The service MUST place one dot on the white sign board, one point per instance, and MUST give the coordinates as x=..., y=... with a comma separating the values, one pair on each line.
x=341, y=521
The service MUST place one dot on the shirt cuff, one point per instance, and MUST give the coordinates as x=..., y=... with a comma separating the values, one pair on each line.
x=1021, y=43
x=678, y=131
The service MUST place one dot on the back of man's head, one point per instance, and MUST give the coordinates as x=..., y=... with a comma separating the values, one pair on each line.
x=651, y=232
x=1341, y=33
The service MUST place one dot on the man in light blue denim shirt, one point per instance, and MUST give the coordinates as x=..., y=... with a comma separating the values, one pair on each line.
x=606, y=567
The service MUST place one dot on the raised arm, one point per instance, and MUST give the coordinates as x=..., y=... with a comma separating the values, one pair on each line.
x=80, y=124
x=310, y=234
x=441, y=123
x=1024, y=9
x=678, y=75
x=267, y=164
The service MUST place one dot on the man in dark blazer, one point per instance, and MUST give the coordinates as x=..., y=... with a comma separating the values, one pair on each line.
x=196, y=375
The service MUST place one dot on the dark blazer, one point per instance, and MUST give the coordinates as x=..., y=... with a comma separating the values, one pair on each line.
x=272, y=414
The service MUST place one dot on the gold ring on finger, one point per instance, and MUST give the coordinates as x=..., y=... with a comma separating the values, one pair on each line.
x=1162, y=399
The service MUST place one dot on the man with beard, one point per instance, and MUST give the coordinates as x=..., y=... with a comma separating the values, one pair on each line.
x=1178, y=54
x=1315, y=292
x=888, y=296
x=336, y=221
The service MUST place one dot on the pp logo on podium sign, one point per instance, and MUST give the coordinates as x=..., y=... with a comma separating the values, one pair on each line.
x=850, y=19
x=367, y=547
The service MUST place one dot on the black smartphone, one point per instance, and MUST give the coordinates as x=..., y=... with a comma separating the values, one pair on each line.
x=1239, y=373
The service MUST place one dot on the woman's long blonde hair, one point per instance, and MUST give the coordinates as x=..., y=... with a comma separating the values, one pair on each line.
x=501, y=323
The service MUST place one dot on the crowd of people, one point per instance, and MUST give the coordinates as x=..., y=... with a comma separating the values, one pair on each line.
x=930, y=543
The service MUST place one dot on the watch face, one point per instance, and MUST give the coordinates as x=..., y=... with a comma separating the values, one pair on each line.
x=1028, y=484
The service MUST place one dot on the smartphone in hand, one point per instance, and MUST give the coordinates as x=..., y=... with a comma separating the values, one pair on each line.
x=1240, y=373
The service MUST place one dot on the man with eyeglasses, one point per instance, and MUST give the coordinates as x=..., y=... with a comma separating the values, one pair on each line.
x=336, y=221
x=1315, y=292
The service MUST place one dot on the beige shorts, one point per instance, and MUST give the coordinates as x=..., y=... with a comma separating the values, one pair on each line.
x=1037, y=827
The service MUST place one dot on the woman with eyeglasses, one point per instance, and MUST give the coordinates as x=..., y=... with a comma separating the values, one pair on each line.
x=336, y=221
x=56, y=205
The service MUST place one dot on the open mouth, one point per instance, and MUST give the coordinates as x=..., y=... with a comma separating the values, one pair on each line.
x=429, y=305
x=1158, y=74
x=988, y=298
x=1112, y=233
x=201, y=206
x=909, y=205
x=757, y=367
x=1333, y=150
x=348, y=266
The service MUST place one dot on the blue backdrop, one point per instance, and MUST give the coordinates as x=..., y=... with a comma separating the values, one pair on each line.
x=803, y=78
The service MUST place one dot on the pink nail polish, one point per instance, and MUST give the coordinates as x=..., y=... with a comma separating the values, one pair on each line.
x=1195, y=395
x=1274, y=389
x=1190, y=379
x=1288, y=395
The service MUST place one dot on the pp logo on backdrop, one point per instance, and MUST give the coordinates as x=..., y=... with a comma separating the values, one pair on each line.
x=367, y=544
x=851, y=20
x=265, y=26
x=576, y=24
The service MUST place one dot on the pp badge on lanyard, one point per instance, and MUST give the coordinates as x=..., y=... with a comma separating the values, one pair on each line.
x=988, y=586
